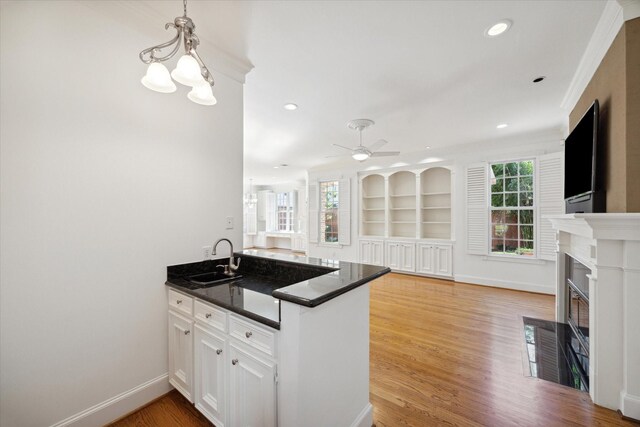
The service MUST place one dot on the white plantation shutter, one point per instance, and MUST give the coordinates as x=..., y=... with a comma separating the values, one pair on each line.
x=344, y=212
x=314, y=224
x=477, y=209
x=550, y=191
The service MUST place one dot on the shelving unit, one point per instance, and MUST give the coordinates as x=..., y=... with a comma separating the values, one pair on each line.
x=435, y=203
x=402, y=204
x=373, y=208
x=406, y=221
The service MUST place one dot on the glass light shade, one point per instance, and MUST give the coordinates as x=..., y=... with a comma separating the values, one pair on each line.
x=360, y=156
x=187, y=71
x=158, y=79
x=202, y=94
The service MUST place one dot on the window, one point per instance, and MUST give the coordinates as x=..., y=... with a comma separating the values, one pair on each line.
x=512, y=208
x=284, y=211
x=329, y=211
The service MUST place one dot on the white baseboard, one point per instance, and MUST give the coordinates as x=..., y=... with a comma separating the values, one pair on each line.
x=630, y=405
x=117, y=406
x=364, y=418
x=507, y=284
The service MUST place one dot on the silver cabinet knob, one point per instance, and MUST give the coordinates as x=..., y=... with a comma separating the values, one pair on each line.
x=219, y=351
x=208, y=315
x=187, y=332
x=234, y=362
x=179, y=301
x=248, y=334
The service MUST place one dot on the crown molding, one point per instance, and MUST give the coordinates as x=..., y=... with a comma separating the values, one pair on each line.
x=147, y=19
x=630, y=9
x=605, y=32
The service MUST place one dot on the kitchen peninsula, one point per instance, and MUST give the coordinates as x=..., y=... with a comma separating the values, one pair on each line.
x=285, y=342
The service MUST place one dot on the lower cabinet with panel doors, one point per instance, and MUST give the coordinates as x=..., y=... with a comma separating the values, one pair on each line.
x=371, y=252
x=223, y=363
x=400, y=255
x=434, y=259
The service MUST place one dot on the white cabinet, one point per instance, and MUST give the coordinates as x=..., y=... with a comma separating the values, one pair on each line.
x=181, y=354
x=298, y=242
x=252, y=386
x=371, y=252
x=210, y=380
x=434, y=259
x=224, y=363
x=400, y=255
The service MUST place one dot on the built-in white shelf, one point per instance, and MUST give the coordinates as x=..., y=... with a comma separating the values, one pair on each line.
x=407, y=203
x=436, y=193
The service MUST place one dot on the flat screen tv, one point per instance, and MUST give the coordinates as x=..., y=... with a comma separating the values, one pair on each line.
x=580, y=152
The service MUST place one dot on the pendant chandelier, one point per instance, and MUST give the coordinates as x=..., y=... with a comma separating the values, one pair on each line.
x=190, y=70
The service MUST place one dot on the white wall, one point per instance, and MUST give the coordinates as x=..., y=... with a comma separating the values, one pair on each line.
x=530, y=275
x=103, y=184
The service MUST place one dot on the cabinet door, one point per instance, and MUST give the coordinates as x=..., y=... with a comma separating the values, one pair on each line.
x=426, y=256
x=407, y=257
x=365, y=252
x=252, y=389
x=377, y=253
x=392, y=255
x=443, y=260
x=181, y=354
x=210, y=375
x=271, y=219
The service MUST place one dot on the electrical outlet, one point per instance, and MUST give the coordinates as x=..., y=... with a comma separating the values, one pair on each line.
x=229, y=223
x=206, y=252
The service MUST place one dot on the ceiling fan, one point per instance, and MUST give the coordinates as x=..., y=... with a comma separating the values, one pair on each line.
x=362, y=153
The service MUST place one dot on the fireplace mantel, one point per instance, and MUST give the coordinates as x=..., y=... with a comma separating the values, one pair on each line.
x=609, y=245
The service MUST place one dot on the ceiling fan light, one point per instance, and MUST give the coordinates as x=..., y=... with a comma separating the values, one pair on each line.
x=360, y=156
x=187, y=71
x=157, y=78
x=202, y=94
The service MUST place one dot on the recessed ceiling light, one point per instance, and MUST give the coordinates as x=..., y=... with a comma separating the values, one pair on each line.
x=498, y=28
x=284, y=165
x=290, y=106
x=276, y=167
x=502, y=126
x=539, y=79
x=428, y=147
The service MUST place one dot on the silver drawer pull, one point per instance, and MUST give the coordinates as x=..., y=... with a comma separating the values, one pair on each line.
x=219, y=351
x=187, y=332
x=234, y=362
x=248, y=334
x=208, y=315
x=179, y=301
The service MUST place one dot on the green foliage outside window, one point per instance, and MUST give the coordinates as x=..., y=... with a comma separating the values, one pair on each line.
x=512, y=208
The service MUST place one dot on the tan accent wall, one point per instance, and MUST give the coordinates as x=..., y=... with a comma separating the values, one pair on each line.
x=632, y=35
x=616, y=85
x=608, y=86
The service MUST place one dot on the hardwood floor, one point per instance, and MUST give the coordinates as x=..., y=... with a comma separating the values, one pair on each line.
x=444, y=354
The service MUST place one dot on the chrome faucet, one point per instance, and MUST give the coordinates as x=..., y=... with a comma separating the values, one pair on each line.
x=232, y=267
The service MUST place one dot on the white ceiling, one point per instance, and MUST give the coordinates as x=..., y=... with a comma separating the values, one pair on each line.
x=423, y=71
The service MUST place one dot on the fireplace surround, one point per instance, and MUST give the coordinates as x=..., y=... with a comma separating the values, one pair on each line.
x=607, y=244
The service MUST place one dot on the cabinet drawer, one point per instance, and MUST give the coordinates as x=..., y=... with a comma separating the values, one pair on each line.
x=180, y=302
x=253, y=335
x=210, y=316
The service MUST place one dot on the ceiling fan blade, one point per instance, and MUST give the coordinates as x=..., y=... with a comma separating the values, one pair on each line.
x=377, y=145
x=335, y=155
x=384, y=153
x=342, y=146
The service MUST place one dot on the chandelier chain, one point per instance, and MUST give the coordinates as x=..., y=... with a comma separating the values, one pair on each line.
x=184, y=3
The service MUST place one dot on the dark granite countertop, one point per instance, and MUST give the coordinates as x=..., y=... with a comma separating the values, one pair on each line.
x=269, y=277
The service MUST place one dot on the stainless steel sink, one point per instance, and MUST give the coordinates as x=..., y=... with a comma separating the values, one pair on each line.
x=212, y=278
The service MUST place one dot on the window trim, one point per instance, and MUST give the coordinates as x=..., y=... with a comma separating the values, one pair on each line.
x=536, y=240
